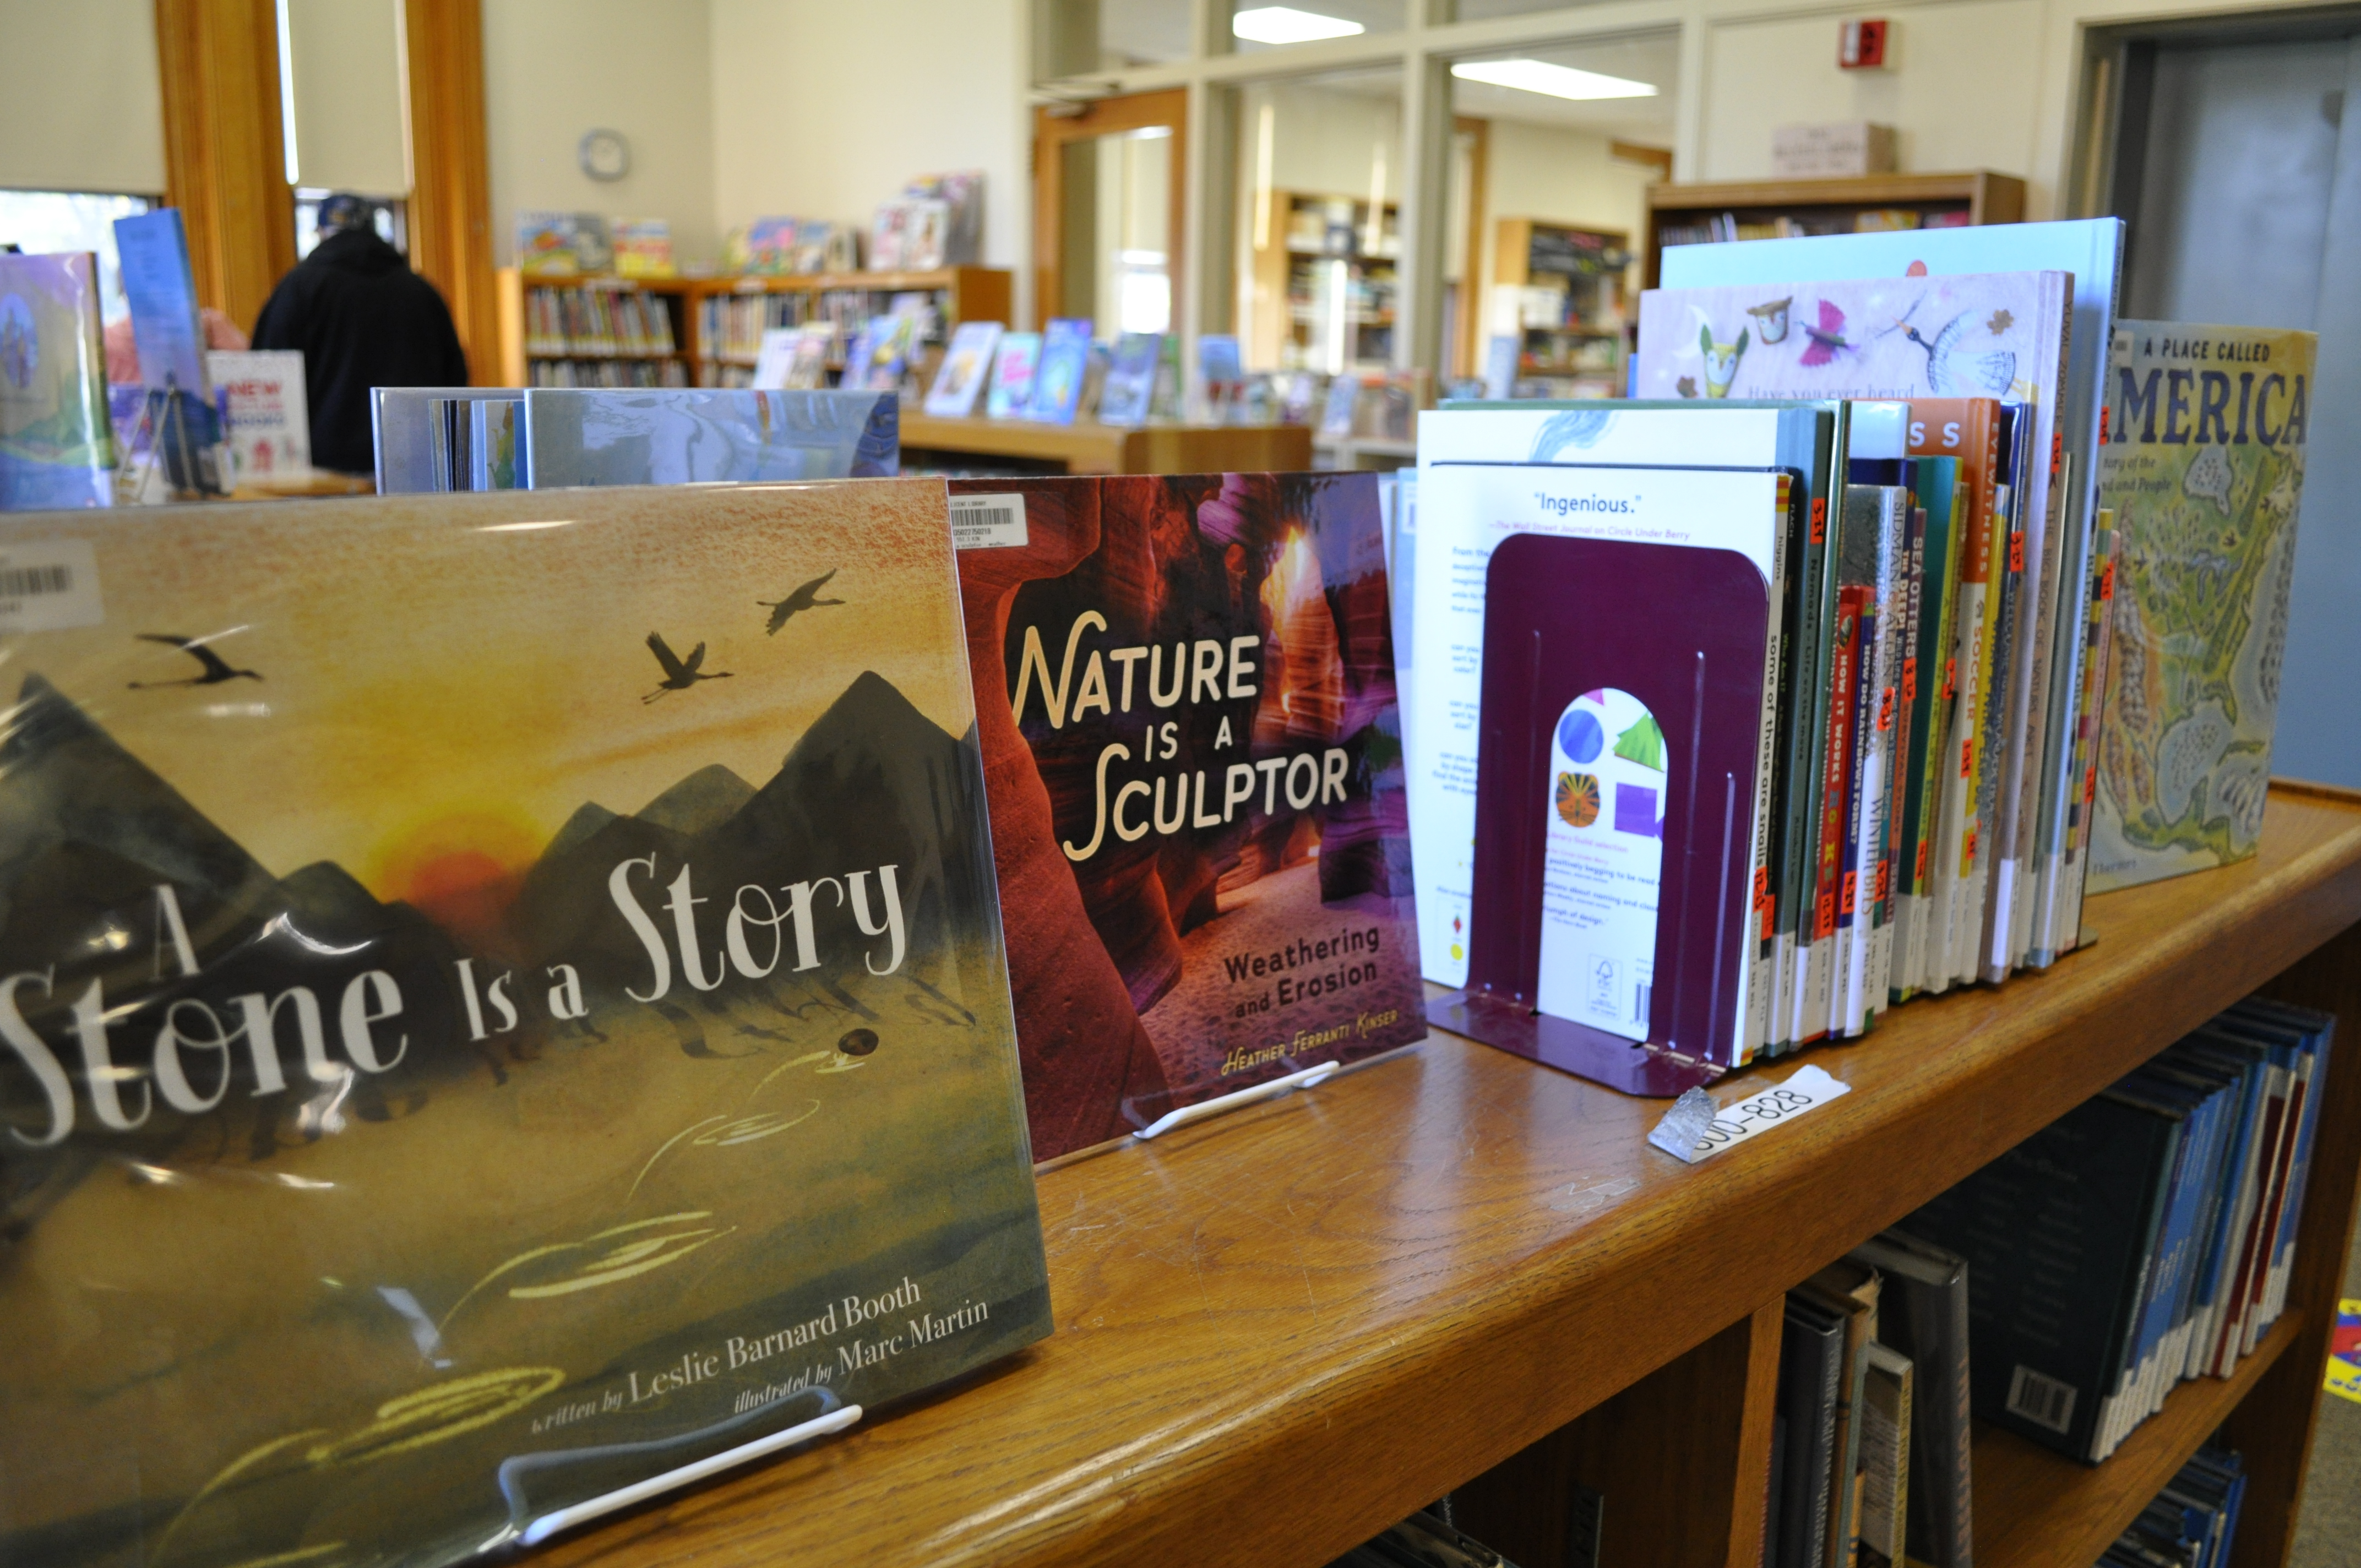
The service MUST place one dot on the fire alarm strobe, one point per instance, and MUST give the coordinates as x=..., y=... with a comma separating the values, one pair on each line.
x=1861, y=46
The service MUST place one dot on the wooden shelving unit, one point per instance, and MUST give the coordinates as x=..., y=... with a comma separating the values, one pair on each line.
x=1828, y=205
x=1323, y=270
x=1280, y=1330
x=1581, y=352
x=1089, y=447
x=964, y=293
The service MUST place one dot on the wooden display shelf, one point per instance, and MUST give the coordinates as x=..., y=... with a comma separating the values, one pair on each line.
x=1280, y=1330
x=1985, y=197
x=975, y=293
x=1088, y=447
x=2037, y=1509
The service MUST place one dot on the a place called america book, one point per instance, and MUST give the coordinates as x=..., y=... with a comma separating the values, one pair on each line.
x=1185, y=690
x=2203, y=468
x=464, y=1059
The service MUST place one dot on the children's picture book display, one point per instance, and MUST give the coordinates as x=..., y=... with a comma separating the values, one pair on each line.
x=1185, y=695
x=561, y=1035
x=56, y=440
x=967, y=366
x=2203, y=470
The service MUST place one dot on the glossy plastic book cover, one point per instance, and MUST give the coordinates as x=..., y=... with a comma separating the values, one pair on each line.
x=1186, y=693
x=457, y=1061
x=2204, y=468
x=57, y=442
x=680, y=436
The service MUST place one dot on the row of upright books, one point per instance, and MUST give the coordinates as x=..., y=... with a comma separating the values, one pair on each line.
x=583, y=323
x=606, y=373
x=1932, y=590
x=2145, y=1238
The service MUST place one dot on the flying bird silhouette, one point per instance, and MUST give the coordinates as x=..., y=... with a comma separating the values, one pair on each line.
x=802, y=598
x=679, y=673
x=215, y=673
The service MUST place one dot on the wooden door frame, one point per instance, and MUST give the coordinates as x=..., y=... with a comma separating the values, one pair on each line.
x=1054, y=128
x=225, y=163
x=450, y=163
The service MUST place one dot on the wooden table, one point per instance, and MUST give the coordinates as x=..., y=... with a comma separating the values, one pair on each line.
x=1093, y=448
x=1280, y=1332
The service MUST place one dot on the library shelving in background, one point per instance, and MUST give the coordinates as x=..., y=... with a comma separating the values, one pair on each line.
x=958, y=293
x=1570, y=308
x=1324, y=282
x=1827, y=206
x=1456, y=1270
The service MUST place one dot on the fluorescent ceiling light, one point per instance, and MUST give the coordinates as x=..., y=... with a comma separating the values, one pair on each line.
x=1286, y=24
x=1556, y=81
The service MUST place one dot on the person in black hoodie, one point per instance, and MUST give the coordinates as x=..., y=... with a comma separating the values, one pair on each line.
x=361, y=318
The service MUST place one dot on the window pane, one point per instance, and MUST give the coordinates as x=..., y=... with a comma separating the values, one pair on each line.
x=42, y=221
x=1261, y=24
x=1563, y=136
x=1117, y=268
x=1320, y=229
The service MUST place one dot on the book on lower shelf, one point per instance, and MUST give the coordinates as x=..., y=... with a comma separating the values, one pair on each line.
x=2144, y=1238
x=570, y=1024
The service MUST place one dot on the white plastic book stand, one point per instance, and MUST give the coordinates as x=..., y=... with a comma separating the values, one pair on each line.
x=564, y=1519
x=1219, y=1103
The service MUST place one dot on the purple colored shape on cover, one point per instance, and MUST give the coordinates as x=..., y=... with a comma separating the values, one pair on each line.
x=1635, y=811
x=1564, y=617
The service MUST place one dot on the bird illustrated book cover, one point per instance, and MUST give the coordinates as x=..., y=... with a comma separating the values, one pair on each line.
x=2204, y=468
x=1990, y=334
x=1185, y=692
x=494, y=1006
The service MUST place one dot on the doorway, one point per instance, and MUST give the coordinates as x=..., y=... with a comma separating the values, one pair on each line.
x=2235, y=161
x=1108, y=183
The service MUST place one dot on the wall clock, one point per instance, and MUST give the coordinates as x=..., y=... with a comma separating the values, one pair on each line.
x=604, y=155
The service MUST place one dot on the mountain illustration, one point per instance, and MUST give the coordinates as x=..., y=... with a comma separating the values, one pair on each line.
x=88, y=833
x=707, y=798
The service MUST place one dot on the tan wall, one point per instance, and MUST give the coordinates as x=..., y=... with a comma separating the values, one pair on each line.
x=555, y=69
x=822, y=109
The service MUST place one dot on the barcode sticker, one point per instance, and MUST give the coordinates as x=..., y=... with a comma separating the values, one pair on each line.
x=1806, y=1090
x=988, y=523
x=2044, y=1401
x=49, y=585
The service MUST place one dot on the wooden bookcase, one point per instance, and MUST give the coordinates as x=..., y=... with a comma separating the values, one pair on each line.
x=1581, y=355
x=1305, y=247
x=964, y=293
x=1828, y=205
x=1454, y=1270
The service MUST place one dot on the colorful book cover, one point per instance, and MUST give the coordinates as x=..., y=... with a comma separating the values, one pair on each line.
x=643, y=247
x=161, y=291
x=562, y=245
x=465, y=1060
x=1063, y=367
x=2056, y=532
x=1011, y=395
x=1131, y=379
x=56, y=443
x=967, y=365
x=706, y=434
x=1186, y=694
x=270, y=420
x=2204, y=469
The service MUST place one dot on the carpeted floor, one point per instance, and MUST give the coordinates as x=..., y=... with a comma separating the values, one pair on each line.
x=2328, y=1531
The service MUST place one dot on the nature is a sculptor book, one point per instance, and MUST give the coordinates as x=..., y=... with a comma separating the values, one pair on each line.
x=501, y=996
